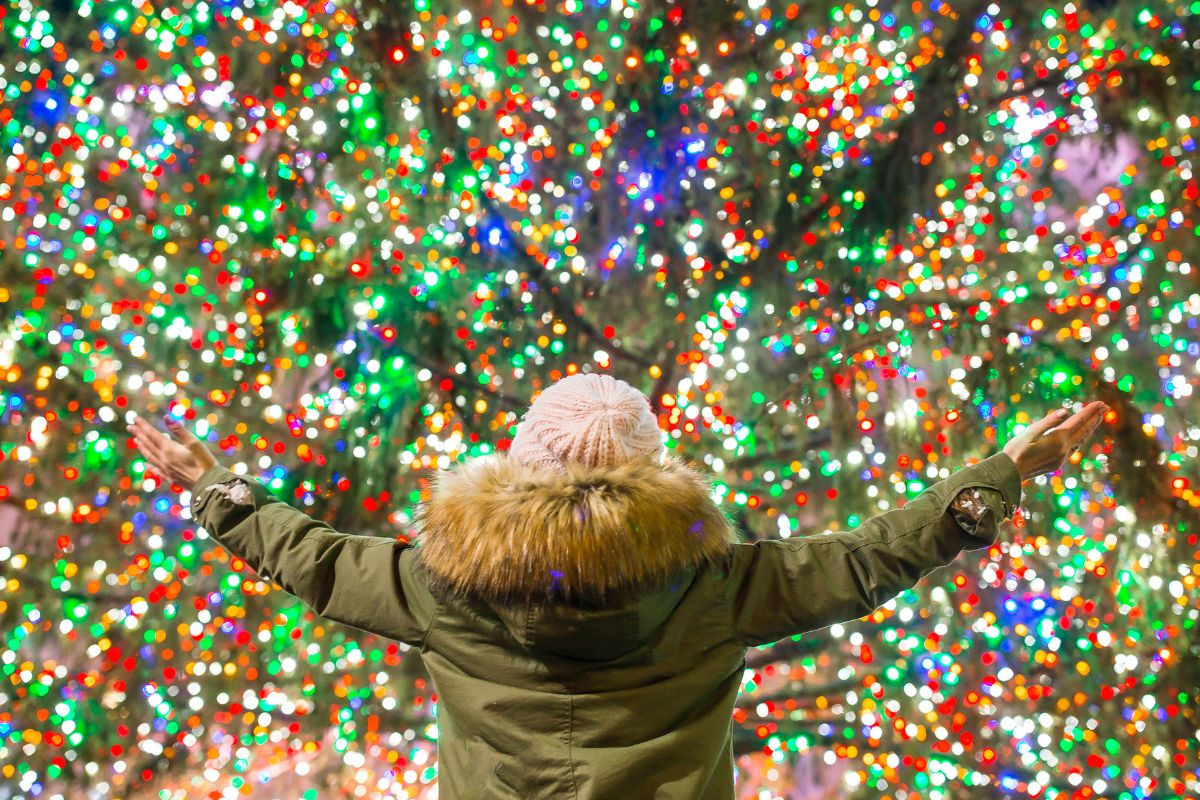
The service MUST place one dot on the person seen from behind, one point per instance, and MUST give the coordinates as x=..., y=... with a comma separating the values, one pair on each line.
x=582, y=605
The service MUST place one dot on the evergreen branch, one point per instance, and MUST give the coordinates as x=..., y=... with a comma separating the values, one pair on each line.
x=463, y=382
x=566, y=310
x=1051, y=82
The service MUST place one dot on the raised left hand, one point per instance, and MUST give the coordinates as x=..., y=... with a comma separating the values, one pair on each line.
x=1037, y=450
x=180, y=458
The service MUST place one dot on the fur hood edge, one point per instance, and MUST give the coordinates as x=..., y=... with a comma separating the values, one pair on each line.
x=499, y=530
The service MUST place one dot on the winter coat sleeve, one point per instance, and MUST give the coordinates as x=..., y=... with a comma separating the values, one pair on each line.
x=367, y=582
x=780, y=588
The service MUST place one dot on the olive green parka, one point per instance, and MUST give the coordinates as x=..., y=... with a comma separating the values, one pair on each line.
x=587, y=633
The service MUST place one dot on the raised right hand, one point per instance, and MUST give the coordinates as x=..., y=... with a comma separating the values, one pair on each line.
x=182, y=459
x=1037, y=450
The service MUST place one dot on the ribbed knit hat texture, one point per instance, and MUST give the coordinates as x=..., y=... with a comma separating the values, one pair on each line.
x=590, y=419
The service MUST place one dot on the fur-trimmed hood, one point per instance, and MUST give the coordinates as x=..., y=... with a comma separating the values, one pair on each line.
x=507, y=533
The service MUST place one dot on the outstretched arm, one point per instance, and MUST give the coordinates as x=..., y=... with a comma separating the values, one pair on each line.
x=780, y=588
x=367, y=582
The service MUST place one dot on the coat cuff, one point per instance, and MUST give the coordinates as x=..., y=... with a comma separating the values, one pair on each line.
x=1007, y=478
x=211, y=476
x=1000, y=481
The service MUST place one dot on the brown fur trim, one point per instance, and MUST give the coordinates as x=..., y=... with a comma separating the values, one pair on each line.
x=496, y=529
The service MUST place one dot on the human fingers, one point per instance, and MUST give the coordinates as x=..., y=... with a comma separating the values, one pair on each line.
x=151, y=452
x=1045, y=423
x=159, y=462
x=155, y=441
x=153, y=461
x=181, y=434
x=192, y=443
x=152, y=444
x=176, y=430
x=1081, y=421
x=146, y=432
x=1086, y=434
x=1076, y=438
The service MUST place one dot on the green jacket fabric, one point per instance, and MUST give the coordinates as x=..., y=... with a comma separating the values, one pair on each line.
x=587, y=632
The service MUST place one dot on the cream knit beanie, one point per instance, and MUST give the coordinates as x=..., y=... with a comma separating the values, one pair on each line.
x=590, y=419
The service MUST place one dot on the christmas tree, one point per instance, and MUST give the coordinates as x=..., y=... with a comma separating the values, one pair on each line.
x=845, y=249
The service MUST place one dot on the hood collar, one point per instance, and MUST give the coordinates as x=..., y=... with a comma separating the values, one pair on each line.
x=498, y=530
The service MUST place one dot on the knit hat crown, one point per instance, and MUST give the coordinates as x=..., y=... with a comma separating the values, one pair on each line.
x=590, y=419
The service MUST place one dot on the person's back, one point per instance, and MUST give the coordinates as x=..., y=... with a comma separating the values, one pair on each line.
x=583, y=606
x=572, y=694
x=630, y=696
